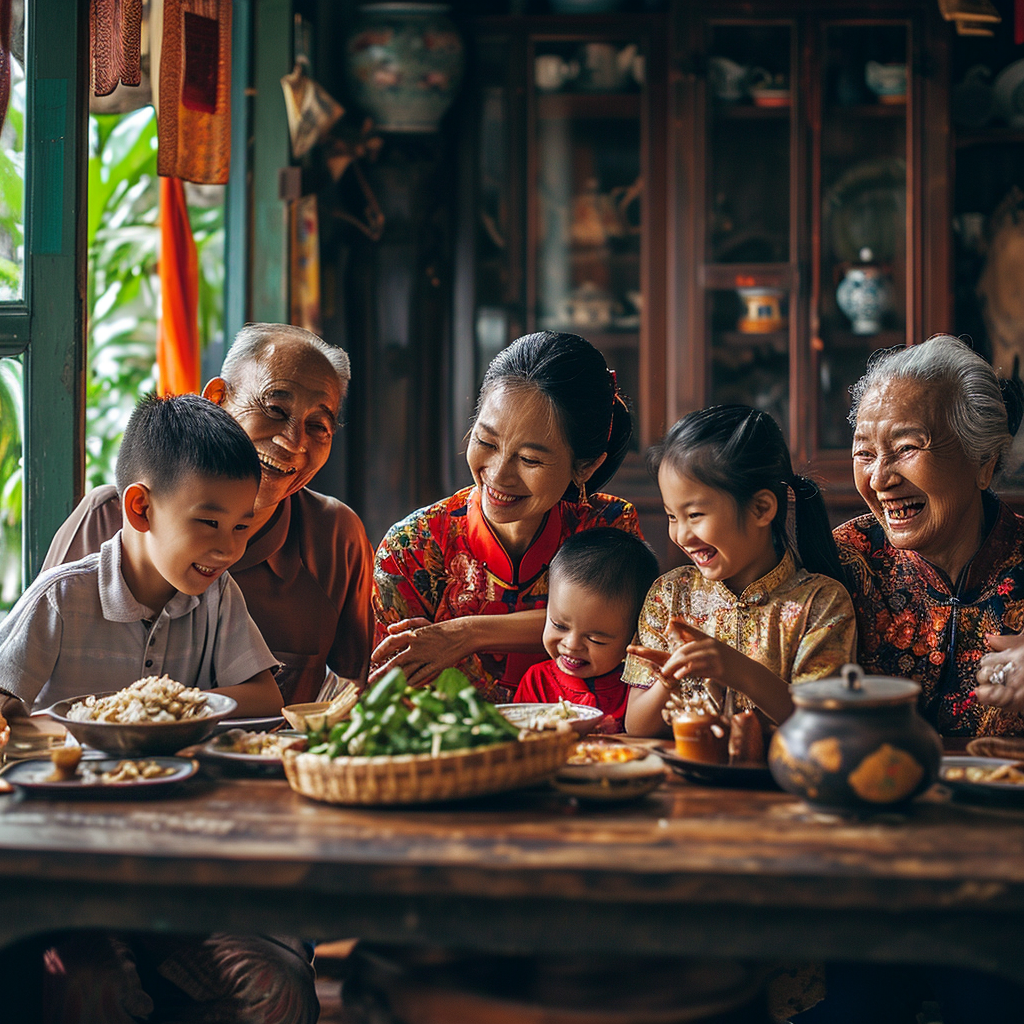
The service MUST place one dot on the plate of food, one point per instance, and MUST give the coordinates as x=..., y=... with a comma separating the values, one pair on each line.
x=67, y=773
x=580, y=717
x=258, y=752
x=608, y=770
x=984, y=777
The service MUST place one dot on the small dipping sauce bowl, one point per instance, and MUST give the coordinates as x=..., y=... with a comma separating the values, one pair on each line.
x=701, y=737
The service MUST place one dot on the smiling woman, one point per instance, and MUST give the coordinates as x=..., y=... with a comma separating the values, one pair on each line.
x=938, y=567
x=464, y=582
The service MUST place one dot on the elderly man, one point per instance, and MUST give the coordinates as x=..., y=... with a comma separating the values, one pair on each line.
x=306, y=572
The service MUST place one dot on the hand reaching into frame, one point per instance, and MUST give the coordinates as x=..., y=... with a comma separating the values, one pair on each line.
x=1000, y=674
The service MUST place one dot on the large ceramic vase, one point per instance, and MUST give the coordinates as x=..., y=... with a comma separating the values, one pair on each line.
x=404, y=63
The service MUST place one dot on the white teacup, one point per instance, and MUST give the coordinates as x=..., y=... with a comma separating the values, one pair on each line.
x=550, y=72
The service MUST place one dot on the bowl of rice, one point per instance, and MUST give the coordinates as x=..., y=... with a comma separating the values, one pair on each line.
x=152, y=716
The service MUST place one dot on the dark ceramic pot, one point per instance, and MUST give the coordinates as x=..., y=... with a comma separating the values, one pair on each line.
x=855, y=743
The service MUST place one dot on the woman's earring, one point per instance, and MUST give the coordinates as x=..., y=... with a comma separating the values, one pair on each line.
x=582, y=488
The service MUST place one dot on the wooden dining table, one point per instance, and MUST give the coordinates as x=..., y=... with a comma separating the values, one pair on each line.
x=689, y=870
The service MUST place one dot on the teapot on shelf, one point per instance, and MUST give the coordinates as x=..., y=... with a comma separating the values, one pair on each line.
x=598, y=216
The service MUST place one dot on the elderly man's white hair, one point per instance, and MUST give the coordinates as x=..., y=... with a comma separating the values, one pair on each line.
x=252, y=339
x=971, y=394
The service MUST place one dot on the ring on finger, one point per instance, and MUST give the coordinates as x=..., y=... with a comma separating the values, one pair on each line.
x=998, y=677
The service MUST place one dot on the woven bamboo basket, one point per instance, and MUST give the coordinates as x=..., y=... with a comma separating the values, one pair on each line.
x=423, y=778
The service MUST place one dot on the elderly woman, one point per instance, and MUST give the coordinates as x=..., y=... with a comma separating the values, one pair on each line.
x=938, y=567
x=305, y=574
x=464, y=582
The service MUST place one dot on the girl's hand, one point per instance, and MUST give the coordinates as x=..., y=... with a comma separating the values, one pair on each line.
x=5, y=732
x=1000, y=673
x=418, y=646
x=694, y=654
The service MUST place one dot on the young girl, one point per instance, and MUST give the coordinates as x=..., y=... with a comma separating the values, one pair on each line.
x=750, y=614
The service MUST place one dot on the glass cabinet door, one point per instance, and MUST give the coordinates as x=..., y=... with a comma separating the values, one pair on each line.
x=586, y=217
x=569, y=225
x=748, y=236
x=861, y=219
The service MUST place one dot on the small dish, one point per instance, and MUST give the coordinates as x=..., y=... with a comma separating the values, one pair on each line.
x=1001, y=792
x=584, y=718
x=770, y=97
x=33, y=776
x=611, y=782
x=741, y=776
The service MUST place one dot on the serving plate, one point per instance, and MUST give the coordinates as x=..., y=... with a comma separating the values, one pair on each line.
x=250, y=724
x=988, y=791
x=586, y=718
x=742, y=776
x=32, y=776
x=217, y=749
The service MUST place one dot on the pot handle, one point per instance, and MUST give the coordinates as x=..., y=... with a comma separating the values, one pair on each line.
x=853, y=676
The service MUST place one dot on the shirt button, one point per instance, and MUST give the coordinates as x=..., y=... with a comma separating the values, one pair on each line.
x=149, y=663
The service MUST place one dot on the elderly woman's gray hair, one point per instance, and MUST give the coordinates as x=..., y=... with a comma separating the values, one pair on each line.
x=971, y=393
x=252, y=339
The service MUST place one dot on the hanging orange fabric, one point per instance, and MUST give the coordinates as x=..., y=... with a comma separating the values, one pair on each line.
x=177, y=336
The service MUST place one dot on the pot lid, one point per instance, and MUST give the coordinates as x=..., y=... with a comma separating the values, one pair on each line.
x=852, y=689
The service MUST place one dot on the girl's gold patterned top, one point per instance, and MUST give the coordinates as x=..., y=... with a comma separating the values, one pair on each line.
x=800, y=625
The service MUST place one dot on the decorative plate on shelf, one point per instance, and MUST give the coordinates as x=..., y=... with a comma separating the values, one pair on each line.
x=1008, y=90
x=867, y=208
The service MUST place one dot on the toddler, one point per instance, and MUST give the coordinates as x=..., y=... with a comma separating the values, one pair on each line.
x=597, y=582
x=754, y=612
x=157, y=597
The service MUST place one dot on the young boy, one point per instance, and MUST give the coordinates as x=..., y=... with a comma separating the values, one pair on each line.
x=156, y=598
x=597, y=583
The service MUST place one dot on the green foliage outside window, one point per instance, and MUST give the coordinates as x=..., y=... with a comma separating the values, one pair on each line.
x=123, y=290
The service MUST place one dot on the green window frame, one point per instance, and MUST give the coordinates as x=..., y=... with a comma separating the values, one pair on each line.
x=47, y=327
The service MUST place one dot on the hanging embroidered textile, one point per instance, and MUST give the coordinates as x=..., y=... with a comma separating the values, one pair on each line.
x=193, y=99
x=177, y=334
x=115, y=29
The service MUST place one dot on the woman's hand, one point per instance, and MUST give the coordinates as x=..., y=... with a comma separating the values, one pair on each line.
x=421, y=648
x=1000, y=673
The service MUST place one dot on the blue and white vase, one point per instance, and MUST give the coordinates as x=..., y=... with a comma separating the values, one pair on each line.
x=404, y=63
x=865, y=295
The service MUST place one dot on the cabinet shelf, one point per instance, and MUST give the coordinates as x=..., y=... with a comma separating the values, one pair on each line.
x=996, y=136
x=565, y=106
x=728, y=276
x=741, y=112
x=896, y=111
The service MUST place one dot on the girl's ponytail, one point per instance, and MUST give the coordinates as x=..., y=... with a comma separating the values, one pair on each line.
x=814, y=541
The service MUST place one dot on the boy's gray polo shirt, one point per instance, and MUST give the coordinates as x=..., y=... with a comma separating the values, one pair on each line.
x=77, y=629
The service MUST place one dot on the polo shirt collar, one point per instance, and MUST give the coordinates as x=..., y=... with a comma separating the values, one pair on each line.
x=117, y=601
x=486, y=546
x=266, y=547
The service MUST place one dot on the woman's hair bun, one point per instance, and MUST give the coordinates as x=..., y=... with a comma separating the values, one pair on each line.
x=1013, y=399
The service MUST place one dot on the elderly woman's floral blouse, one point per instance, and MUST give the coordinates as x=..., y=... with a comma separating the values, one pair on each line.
x=797, y=624
x=445, y=561
x=916, y=623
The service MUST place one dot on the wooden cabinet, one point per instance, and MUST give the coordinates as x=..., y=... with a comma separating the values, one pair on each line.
x=814, y=223
x=565, y=225
x=689, y=190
